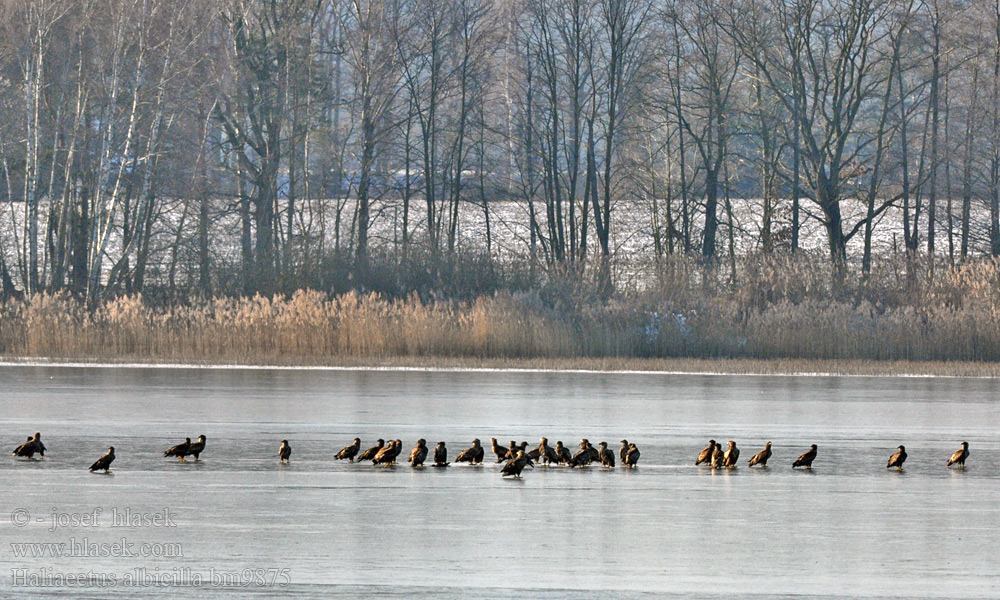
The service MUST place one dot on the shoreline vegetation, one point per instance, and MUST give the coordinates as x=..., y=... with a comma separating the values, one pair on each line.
x=671, y=366
x=783, y=318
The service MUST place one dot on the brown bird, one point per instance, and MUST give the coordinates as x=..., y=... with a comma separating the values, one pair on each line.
x=419, y=453
x=180, y=450
x=515, y=465
x=806, y=460
x=957, y=458
x=897, y=459
x=545, y=453
x=440, y=455
x=731, y=455
x=761, y=457
x=30, y=446
x=384, y=454
x=499, y=450
x=511, y=450
x=718, y=456
x=349, y=452
x=197, y=448
x=388, y=454
x=623, y=451
x=104, y=462
x=562, y=453
x=607, y=456
x=371, y=452
x=285, y=452
x=585, y=455
x=632, y=458
x=706, y=454
x=532, y=454
x=472, y=455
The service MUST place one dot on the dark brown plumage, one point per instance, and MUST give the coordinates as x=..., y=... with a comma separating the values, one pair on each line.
x=731, y=455
x=957, y=458
x=531, y=455
x=623, y=451
x=388, y=454
x=562, y=453
x=717, y=457
x=585, y=455
x=499, y=450
x=180, y=450
x=473, y=455
x=807, y=458
x=197, y=448
x=419, y=453
x=371, y=452
x=632, y=458
x=515, y=465
x=349, y=452
x=607, y=456
x=546, y=453
x=285, y=452
x=440, y=455
x=30, y=447
x=706, y=454
x=104, y=462
x=897, y=459
x=762, y=457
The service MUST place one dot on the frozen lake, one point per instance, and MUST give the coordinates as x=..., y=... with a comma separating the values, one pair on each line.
x=242, y=525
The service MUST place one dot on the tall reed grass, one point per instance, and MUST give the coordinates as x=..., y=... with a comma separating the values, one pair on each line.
x=781, y=310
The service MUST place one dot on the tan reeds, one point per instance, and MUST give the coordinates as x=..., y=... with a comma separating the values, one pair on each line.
x=782, y=310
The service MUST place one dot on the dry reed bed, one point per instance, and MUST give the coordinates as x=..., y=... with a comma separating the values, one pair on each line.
x=783, y=312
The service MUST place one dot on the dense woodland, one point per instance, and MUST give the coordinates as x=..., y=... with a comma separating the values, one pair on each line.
x=129, y=129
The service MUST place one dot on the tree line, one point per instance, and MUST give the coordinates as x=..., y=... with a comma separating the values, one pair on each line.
x=128, y=128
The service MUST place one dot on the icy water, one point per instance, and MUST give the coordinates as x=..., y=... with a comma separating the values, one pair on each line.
x=237, y=524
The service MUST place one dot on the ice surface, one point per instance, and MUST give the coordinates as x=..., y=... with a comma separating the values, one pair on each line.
x=850, y=528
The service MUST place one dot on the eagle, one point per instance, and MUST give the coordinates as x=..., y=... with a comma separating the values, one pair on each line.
x=472, y=455
x=285, y=452
x=761, y=457
x=623, y=451
x=706, y=454
x=104, y=462
x=371, y=452
x=897, y=459
x=547, y=454
x=958, y=457
x=607, y=456
x=180, y=450
x=349, y=452
x=533, y=454
x=718, y=456
x=419, y=453
x=515, y=465
x=197, y=448
x=632, y=458
x=499, y=450
x=806, y=460
x=387, y=455
x=731, y=455
x=440, y=455
x=30, y=446
x=562, y=453
x=585, y=455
